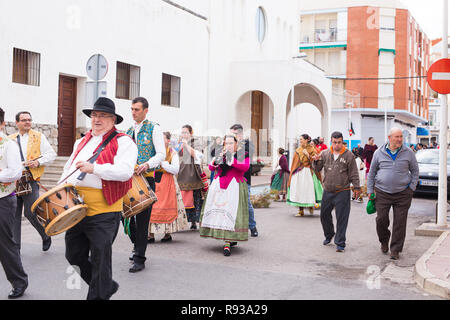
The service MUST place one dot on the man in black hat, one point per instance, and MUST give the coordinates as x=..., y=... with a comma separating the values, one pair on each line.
x=107, y=180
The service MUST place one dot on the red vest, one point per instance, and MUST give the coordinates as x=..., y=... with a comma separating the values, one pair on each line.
x=112, y=190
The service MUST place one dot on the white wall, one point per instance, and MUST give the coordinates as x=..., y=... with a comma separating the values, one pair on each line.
x=151, y=34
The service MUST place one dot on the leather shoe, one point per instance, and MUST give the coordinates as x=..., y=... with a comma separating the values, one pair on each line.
x=137, y=267
x=46, y=244
x=254, y=232
x=384, y=248
x=395, y=255
x=16, y=293
x=168, y=239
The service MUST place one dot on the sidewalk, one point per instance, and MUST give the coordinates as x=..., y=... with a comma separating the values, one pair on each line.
x=432, y=270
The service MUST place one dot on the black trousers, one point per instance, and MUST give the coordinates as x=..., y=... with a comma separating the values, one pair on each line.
x=89, y=247
x=139, y=230
x=24, y=204
x=341, y=203
x=9, y=248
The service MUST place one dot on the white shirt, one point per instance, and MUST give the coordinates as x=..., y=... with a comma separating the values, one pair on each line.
x=174, y=167
x=122, y=169
x=158, y=142
x=13, y=170
x=47, y=152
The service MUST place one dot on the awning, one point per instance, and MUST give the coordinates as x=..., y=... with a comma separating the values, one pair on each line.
x=422, y=132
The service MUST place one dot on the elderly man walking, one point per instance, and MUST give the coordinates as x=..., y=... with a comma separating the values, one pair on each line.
x=393, y=177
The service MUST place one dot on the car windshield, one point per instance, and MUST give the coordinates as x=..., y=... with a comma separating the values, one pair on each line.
x=430, y=157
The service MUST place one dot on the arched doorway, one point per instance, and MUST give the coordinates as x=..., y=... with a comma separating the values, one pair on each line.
x=308, y=97
x=254, y=110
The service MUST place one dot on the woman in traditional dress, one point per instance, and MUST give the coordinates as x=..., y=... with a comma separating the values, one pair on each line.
x=280, y=178
x=168, y=213
x=225, y=213
x=304, y=187
x=367, y=154
x=189, y=176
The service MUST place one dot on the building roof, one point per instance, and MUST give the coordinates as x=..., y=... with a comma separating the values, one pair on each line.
x=331, y=4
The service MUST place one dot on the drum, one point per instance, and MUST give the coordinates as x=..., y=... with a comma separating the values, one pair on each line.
x=59, y=209
x=23, y=185
x=138, y=198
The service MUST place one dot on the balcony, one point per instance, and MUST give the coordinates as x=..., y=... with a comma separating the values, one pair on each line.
x=324, y=38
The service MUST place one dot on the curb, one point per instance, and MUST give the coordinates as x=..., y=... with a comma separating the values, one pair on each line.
x=425, y=279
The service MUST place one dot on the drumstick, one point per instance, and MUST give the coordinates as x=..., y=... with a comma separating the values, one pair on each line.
x=76, y=170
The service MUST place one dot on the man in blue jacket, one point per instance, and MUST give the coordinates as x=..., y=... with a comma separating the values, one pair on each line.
x=393, y=177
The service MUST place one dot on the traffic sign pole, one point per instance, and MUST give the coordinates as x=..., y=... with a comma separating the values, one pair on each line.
x=443, y=135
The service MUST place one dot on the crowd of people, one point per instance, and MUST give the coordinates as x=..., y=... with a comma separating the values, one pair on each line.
x=219, y=208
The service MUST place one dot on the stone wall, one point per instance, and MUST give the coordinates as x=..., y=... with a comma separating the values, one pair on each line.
x=50, y=132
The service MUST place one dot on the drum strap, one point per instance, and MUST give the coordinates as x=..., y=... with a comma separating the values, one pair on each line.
x=20, y=147
x=99, y=150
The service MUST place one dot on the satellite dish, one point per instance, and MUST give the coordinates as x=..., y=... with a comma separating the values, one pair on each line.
x=97, y=67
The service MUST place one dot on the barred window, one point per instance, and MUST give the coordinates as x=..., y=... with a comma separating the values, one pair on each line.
x=26, y=67
x=127, y=81
x=170, y=93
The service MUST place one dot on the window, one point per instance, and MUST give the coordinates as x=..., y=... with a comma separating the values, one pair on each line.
x=127, y=81
x=26, y=67
x=261, y=24
x=170, y=93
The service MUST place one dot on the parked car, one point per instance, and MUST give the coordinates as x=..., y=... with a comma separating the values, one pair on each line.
x=428, y=160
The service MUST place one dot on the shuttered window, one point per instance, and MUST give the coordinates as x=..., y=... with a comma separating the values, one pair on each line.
x=170, y=93
x=127, y=81
x=26, y=67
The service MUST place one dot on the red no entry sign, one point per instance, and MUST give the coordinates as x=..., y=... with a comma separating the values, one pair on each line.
x=438, y=76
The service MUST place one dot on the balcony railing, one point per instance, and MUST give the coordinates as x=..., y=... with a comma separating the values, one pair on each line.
x=324, y=36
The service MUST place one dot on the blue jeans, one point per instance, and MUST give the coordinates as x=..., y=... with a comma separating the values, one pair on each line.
x=251, y=211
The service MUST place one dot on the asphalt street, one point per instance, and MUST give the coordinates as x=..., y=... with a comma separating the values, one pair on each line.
x=286, y=262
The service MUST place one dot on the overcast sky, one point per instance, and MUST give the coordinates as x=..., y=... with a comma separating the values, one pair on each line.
x=428, y=13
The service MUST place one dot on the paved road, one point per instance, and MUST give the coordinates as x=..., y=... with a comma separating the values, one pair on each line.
x=287, y=261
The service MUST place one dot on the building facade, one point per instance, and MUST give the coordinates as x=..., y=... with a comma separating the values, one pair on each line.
x=376, y=55
x=208, y=63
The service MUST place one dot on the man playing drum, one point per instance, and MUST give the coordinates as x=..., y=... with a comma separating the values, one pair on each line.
x=32, y=145
x=152, y=151
x=89, y=243
x=10, y=171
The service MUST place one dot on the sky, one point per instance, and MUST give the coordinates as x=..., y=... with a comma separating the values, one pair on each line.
x=428, y=13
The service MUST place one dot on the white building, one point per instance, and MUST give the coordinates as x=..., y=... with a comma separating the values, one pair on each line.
x=208, y=63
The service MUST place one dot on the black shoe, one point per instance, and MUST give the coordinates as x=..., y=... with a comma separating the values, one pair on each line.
x=395, y=256
x=226, y=250
x=340, y=249
x=233, y=244
x=254, y=232
x=46, y=244
x=151, y=240
x=327, y=241
x=168, y=239
x=17, y=293
x=384, y=248
x=137, y=267
x=115, y=287
x=194, y=226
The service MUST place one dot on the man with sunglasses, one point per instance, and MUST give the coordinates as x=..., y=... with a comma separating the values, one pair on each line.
x=36, y=153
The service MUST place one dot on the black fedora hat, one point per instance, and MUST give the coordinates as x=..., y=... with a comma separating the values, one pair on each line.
x=104, y=105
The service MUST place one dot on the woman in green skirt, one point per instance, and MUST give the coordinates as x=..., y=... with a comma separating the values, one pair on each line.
x=225, y=211
x=280, y=178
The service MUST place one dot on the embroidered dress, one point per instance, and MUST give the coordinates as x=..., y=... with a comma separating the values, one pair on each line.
x=280, y=178
x=168, y=213
x=304, y=188
x=225, y=212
